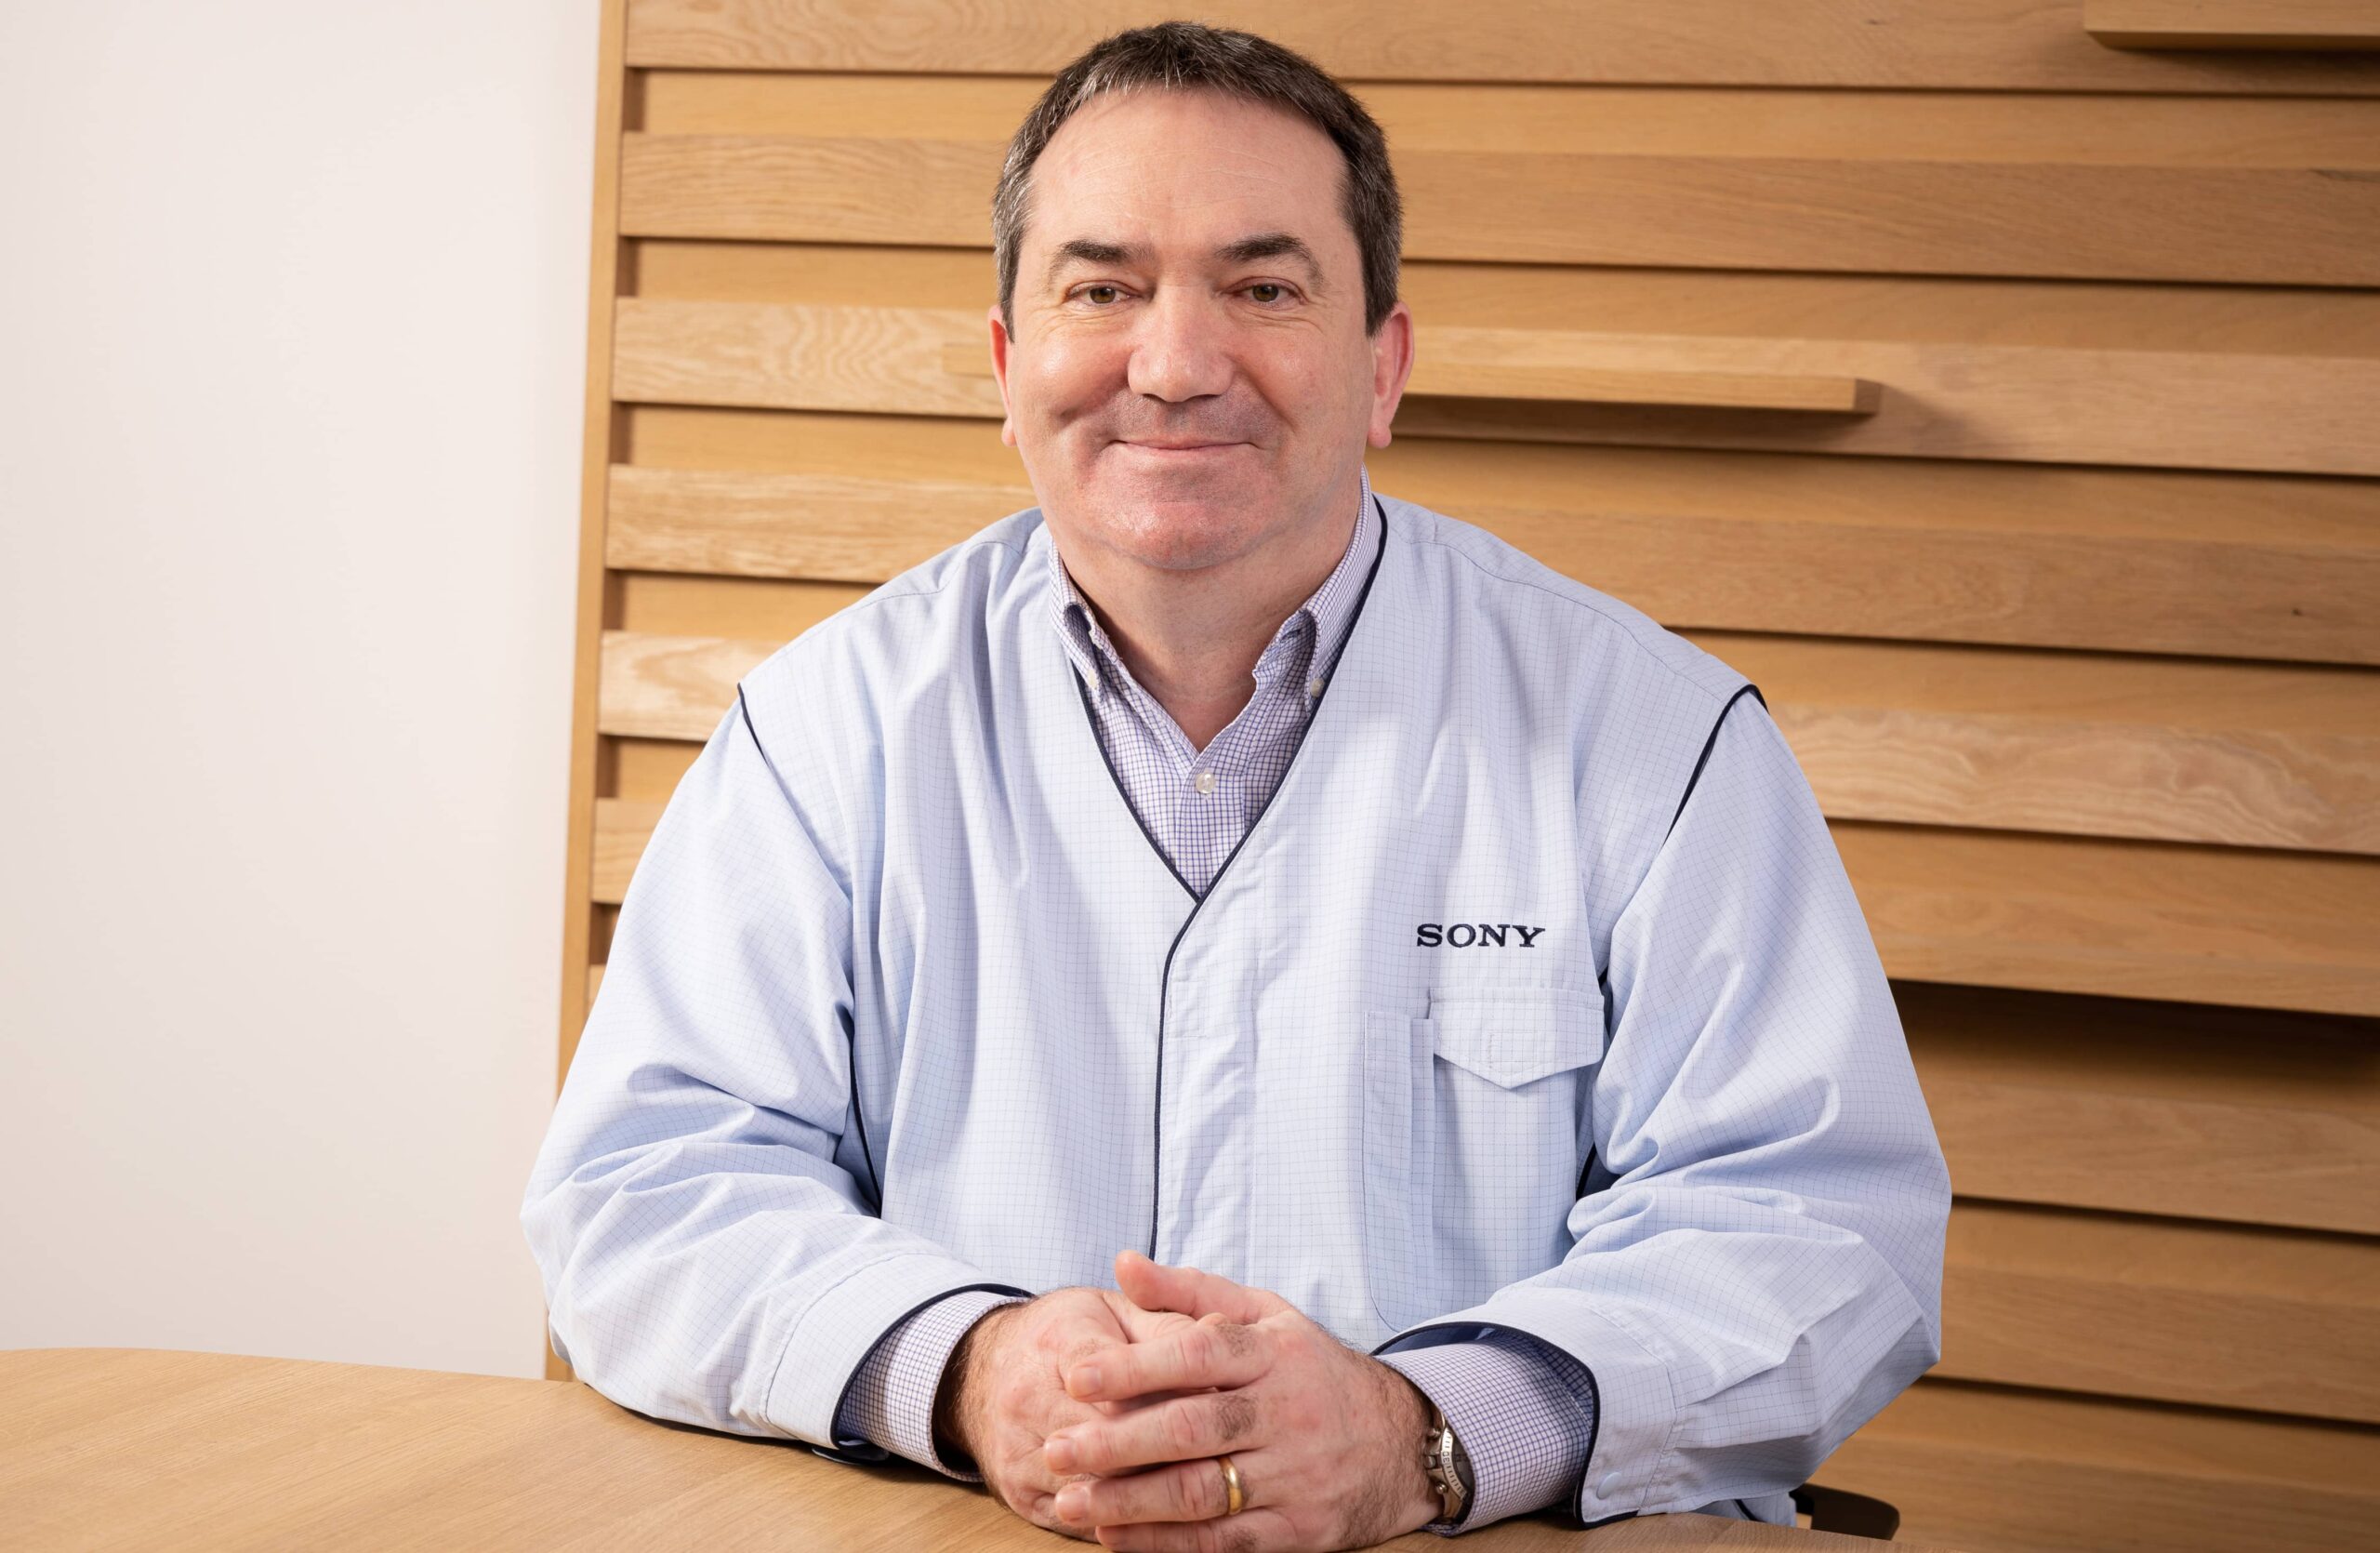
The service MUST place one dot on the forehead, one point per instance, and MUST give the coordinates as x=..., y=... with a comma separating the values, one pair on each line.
x=1187, y=163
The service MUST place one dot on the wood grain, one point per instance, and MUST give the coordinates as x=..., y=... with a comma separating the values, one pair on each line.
x=672, y=686
x=2286, y=24
x=2123, y=919
x=2237, y=754
x=2141, y=562
x=2031, y=1142
x=1987, y=44
x=2240, y=1114
x=138, y=1449
x=1507, y=117
x=2281, y=226
x=2096, y=1303
x=2156, y=408
x=2033, y=1472
x=850, y=528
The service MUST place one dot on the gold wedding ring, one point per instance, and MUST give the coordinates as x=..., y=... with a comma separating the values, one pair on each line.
x=1231, y=1484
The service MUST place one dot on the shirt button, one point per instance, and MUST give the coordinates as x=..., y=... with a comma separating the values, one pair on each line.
x=1204, y=781
x=1603, y=1488
x=1314, y=688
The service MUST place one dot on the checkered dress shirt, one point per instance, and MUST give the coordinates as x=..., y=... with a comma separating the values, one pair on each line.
x=1522, y=1409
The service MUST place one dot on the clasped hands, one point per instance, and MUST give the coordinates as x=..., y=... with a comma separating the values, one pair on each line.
x=1099, y=1412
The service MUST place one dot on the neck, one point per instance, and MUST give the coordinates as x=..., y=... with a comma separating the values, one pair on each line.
x=1192, y=639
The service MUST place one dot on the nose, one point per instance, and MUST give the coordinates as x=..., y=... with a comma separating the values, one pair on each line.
x=1181, y=351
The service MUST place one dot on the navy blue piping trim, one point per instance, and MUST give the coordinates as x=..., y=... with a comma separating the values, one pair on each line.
x=1165, y=979
x=861, y=1458
x=1109, y=761
x=850, y=1036
x=1704, y=758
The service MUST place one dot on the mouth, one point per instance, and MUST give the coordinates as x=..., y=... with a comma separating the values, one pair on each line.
x=1180, y=449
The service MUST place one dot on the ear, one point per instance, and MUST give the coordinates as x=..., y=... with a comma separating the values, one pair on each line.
x=1000, y=373
x=1392, y=366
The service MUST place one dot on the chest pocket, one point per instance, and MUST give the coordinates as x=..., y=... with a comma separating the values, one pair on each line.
x=1512, y=1037
x=1477, y=1118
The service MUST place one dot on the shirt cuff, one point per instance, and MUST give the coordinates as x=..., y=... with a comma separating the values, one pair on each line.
x=890, y=1402
x=1524, y=1412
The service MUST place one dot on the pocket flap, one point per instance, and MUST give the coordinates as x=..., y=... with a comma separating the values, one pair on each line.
x=1514, y=1035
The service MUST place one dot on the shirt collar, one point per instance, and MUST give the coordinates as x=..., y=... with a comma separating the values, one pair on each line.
x=1325, y=613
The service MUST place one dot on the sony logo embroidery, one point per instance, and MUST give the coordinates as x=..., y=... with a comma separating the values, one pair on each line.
x=1463, y=935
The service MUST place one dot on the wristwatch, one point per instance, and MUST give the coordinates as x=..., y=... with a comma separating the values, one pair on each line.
x=1449, y=1467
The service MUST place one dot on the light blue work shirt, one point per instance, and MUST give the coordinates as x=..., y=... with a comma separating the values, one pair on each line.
x=1536, y=998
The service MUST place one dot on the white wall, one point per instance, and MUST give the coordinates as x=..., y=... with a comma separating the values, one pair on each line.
x=292, y=319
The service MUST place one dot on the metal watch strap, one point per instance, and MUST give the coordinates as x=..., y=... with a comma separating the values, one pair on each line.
x=1439, y=1453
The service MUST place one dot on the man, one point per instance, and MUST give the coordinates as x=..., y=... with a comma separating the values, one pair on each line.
x=1361, y=933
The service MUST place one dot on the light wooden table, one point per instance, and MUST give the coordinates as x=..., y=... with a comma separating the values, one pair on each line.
x=139, y=1448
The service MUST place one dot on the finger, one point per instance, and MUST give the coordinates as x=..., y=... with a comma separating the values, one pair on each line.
x=1041, y=1508
x=1181, y=1490
x=1248, y=1531
x=1209, y=1352
x=1187, y=1427
x=1155, y=1286
x=1138, y=1325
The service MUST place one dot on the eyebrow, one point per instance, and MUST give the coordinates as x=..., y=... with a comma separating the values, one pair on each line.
x=1266, y=244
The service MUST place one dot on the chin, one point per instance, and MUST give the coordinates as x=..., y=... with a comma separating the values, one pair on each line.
x=1177, y=535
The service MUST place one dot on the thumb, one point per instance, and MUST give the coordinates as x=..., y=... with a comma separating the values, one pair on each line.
x=1155, y=1286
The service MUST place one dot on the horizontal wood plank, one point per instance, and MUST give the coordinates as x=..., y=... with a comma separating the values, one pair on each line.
x=841, y=527
x=2172, y=409
x=2328, y=25
x=1586, y=383
x=1505, y=117
x=2136, y=1307
x=2033, y=1472
x=1989, y=44
x=661, y=603
x=2244, y=1115
x=2011, y=1141
x=670, y=686
x=2219, y=565
x=2123, y=919
x=2283, y=226
x=2238, y=754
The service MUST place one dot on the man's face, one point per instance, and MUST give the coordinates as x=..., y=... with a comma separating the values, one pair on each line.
x=1190, y=380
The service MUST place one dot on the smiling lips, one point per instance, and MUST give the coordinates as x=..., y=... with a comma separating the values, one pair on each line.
x=1179, y=448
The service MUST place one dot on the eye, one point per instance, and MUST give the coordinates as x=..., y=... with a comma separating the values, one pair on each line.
x=1277, y=289
x=1092, y=294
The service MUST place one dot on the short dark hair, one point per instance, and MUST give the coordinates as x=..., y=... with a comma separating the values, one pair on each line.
x=1182, y=56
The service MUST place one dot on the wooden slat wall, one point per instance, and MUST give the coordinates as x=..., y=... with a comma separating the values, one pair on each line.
x=2006, y=404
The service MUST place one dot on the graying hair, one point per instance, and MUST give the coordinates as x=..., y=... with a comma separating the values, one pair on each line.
x=1182, y=56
